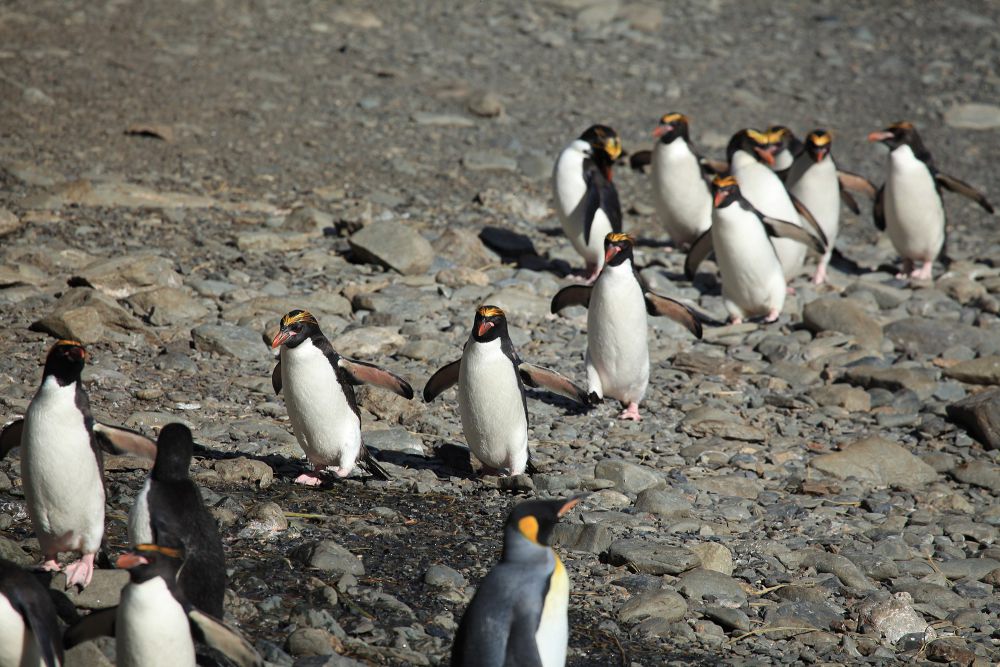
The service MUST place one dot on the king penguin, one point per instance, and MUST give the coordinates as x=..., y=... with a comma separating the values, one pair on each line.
x=617, y=356
x=585, y=195
x=909, y=204
x=29, y=629
x=491, y=396
x=518, y=616
x=753, y=283
x=680, y=192
x=319, y=386
x=170, y=512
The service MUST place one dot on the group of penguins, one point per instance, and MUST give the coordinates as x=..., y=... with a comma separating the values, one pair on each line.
x=760, y=211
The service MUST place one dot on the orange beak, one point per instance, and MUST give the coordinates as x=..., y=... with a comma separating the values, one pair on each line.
x=484, y=326
x=820, y=154
x=660, y=130
x=719, y=196
x=280, y=339
x=611, y=252
x=765, y=154
x=880, y=135
x=129, y=560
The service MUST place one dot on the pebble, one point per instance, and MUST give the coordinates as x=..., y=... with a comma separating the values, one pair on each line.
x=331, y=557
x=661, y=604
x=228, y=340
x=628, y=477
x=394, y=245
x=652, y=557
x=843, y=315
x=980, y=415
x=876, y=461
x=973, y=116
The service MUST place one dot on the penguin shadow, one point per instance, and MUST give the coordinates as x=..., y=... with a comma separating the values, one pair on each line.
x=518, y=249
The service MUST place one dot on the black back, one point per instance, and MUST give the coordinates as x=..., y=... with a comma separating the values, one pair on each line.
x=30, y=599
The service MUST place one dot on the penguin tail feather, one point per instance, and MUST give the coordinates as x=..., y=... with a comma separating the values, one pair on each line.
x=373, y=466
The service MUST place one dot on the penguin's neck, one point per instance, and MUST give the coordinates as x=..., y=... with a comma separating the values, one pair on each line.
x=519, y=549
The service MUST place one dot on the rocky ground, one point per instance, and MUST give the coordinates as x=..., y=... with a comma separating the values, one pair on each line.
x=175, y=176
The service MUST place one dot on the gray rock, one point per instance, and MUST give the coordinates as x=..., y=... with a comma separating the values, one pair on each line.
x=124, y=275
x=228, y=340
x=311, y=641
x=922, y=381
x=8, y=222
x=443, y=120
x=363, y=342
x=708, y=421
x=442, y=576
x=592, y=538
x=841, y=567
x=852, y=399
x=664, y=503
x=86, y=654
x=488, y=160
x=891, y=617
x=979, y=414
x=518, y=302
x=331, y=557
x=876, y=461
x=394, y=440
x=103, y=592
x=652, y=557
x=844, y=315
x=308, y=220
x=886, y=296
x=927, y=336
x=978, y=474
x=9, y=550
x=819, y=615
x=464, y=248
x=729, y=618
x=394, y=245
x=701, y=584
x=165, y=306
x=485, y=103
x=242, y=470
x=984, y=370
x=972, y=569
x=89, y=316
x=973, y=116
x=663, y=604
x=714, y=557
x=263, y=241
x=730, y=486
x=628, y=477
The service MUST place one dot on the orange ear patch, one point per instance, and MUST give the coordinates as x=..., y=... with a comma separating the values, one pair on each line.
x=618, y=237
x=724, y=181
x=820, y=138
x=529, y=528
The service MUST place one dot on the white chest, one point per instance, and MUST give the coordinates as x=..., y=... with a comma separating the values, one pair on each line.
x=752, y=277
x=761, y=187
x=139, y=529
x=817, y=186
x=567, y=180
x=18, y=647
x=682, y=200
x=616, y=327
x=914, y=212
x=152, y=629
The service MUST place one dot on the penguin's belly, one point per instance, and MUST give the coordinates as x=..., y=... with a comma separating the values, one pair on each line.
x=62, y=481
x=617, y=344
x=765, y=191
x=570, y=190
x=327, y=429
x=914, y=215
x=491, y=407
x=819, y=191
x=139, y=529
x=552, y=635
x=18, y=647
x=752, y=279
x=152, y=629
x=683, y=203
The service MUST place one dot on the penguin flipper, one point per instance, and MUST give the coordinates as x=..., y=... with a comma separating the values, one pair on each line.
x=276, y=378
x=810, y=220
x=574, y=295
x=28, y=598
x=10, y=436
x=878, y=209
x=118, y=440
x=362, y=372
x=373, y=467
x=100, y=623
x=856, y=183
x=445, y=377
x=224, y=639
x=663, y=306
x=783, y=229
x=640, y=160
x=699, y=251
x=536, y=376
x=964, y=189
x=849, y=201
x=710, y=166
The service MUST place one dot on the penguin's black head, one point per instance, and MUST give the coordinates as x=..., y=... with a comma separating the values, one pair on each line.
x=65, y=361
x=296, y=326
x=617, y=248
x=781, y=138
x=725, y=191
x=672, y=126
x=490, y=324
x=898, y=134
x=605, y=146
x=146, y=561
x=753, y=142
x=534, y=520
x=818, y=144
x=174, y=449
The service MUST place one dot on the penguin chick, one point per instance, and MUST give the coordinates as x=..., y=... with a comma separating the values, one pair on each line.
x=518, y=616
x=753, y=283
x=491, y=397
x=319, y=392
x=680, y=192
x=169, y=511
x=909, y=203
x=585, y=196
x=617, y=356
x=29, y=629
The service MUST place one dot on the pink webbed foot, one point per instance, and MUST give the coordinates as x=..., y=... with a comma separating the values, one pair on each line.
x=772, y=315
x=51, y=565
x=341, y=471
x=79, y=573
x=736, y=320
x=631, y=413
x=820, y=276
x=309, y=479
x=923, y=273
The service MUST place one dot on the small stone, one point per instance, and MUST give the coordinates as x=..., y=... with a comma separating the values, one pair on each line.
x=979, y=414
x=165, y=306
x=984, y=370
x=844, y=315
x=443, y=120
x=972, y=569
x=714, y=557
x=364, y=342
x=331, y=557
x=841, y=567
x=89, y=316
x=103, y=591
x=228, y=340
x=273, y=241
x=442, y=576
x=877, y=461
x=241, y=470
x=708, y=421
x=487, y=160
x=86, y=654
x=852, y=399
x=978, y=474
x=664, y=503
x=701, y=584
x=311, y=641
x=395, y=245
x=124, y=275
x=892, y=618
x=9, y=550
x=394, y=440
x=486, y=104
x=973, y=116
x=9, y=222
x=628, y=477
x=925, y=335
x=663, y=604
x=652, y=557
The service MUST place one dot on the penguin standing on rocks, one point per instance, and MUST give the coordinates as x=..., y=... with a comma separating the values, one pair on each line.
x=585, y=196
x=518, y=616
x=749, y=153
x=319, y=391
x=29, y=629
x=170, y=512
x=491, y=396
x=617, y=356
x=680, y=192
x=753, y=283
x=909, y=204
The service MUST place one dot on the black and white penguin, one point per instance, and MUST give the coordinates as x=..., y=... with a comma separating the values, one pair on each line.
x=154, y=625
x=491, y=397
x=585, y=196
x=617, y=356
x=784, y=147
x=170, y=512
x=519, y=614
x=753, y=283
x=909, y=204
x=680, y=191
x=29, y=629
x=318, y=386
x=813, y=179
x=749, y=154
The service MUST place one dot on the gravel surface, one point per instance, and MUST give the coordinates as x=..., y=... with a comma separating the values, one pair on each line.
x=175, y=176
